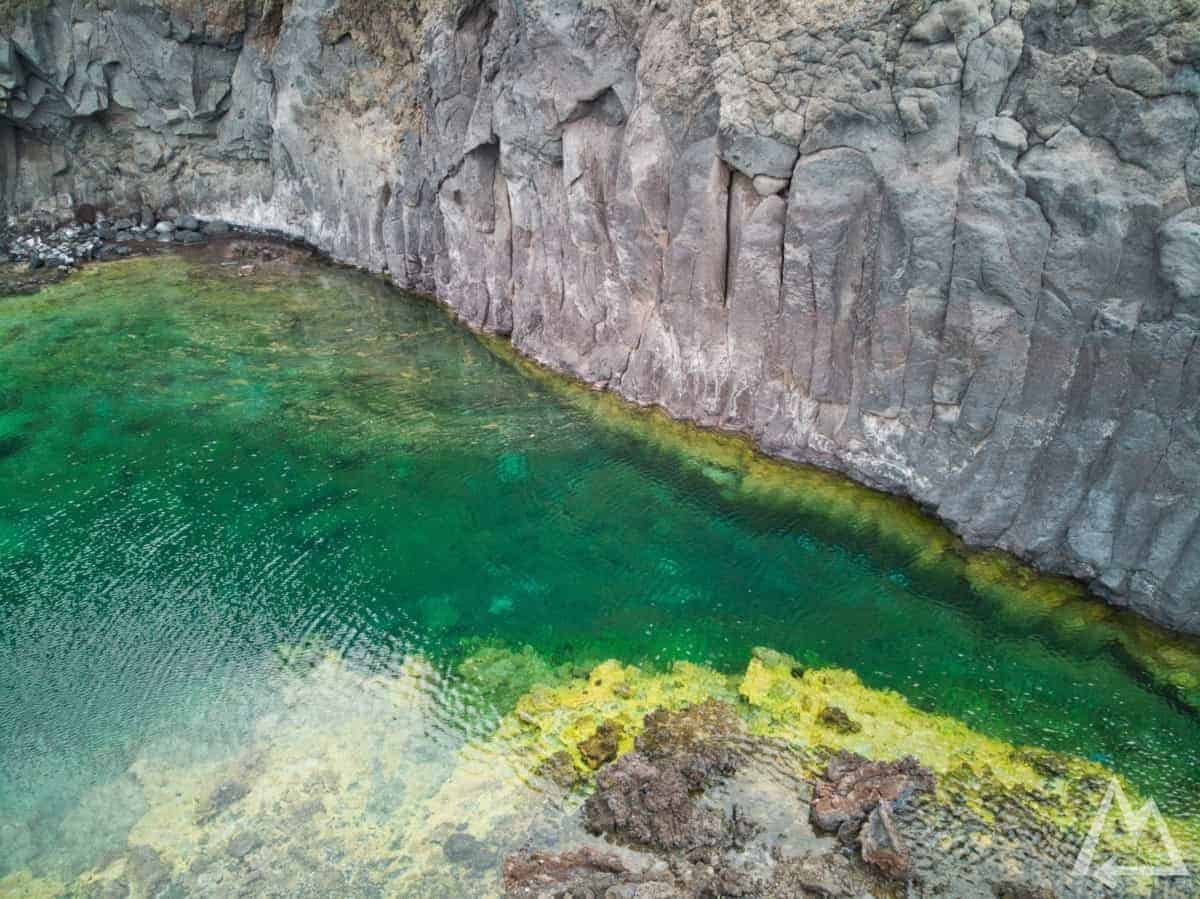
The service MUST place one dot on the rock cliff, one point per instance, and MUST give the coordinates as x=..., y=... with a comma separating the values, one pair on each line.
x=950, y=247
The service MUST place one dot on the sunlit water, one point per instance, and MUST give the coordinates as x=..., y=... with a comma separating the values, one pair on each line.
x=196, y=468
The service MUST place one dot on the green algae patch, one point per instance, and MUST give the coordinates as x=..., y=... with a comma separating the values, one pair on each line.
x=501, y=675
x=1024, y=600
x=786, y=702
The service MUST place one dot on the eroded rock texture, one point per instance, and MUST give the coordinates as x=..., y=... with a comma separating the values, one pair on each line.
x=946, y=246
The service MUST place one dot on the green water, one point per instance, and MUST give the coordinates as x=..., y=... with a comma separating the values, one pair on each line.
x=196, y=467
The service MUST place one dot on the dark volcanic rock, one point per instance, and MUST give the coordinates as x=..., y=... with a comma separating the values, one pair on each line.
x=650, y=804
x=464, y=849
x=225, y=795
x=1016, y=889
x=710, y=730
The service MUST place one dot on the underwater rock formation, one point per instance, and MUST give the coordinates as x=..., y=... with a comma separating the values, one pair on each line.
x=948, y=247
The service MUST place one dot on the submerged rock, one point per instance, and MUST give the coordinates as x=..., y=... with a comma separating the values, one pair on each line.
x=225, y=795
x=583, y=872
x=146, y=870
x=243, y=844
x=463, y=849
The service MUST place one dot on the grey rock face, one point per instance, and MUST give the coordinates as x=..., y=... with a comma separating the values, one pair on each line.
x=948, y=247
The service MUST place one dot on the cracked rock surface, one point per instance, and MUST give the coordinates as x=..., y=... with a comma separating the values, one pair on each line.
x=949, y=248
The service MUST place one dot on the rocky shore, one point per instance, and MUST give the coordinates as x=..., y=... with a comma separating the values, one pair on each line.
x=947, y=247
x=38, y=250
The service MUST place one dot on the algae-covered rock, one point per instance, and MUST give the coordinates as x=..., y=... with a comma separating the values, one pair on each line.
x=837, y=719
x=502, y=675
x=601, y=747
x=225, y=795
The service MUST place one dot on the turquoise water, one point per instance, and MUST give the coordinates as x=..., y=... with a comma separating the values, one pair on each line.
x=196, y=468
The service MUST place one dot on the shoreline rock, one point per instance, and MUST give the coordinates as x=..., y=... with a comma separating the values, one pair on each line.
x=946, y=248
x=39, y=252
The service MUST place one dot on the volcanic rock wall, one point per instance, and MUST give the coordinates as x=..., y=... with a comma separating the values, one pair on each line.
x=951, y=248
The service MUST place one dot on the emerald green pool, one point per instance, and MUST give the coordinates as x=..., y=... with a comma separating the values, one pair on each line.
x=196, y=468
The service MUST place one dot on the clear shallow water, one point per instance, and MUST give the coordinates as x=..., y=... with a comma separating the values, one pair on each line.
x=196, y=468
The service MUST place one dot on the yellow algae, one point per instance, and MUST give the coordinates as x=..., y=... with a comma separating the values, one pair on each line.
x=785, y=701
x=550, y=719
x=1014, y=592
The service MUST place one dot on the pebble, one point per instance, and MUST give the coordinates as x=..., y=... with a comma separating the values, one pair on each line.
x=43, y=246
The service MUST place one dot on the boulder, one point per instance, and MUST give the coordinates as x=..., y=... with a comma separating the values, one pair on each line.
x=852, y=787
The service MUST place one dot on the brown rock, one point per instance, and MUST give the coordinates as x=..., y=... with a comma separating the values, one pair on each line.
x=652, y=803
x=881, y=844
x=559, y=769
x=601, y=747
x=836, y=718
x=853, y=786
